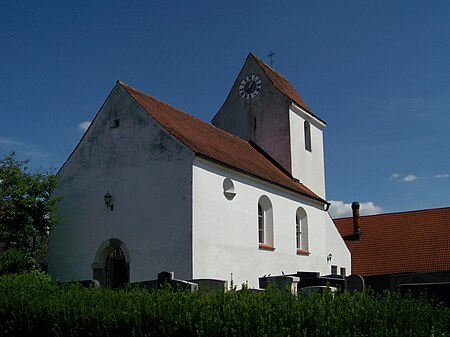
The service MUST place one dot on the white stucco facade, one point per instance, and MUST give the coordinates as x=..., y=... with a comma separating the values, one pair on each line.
x=225, y=232
x=148, y=174
x=180, y=204
x=307, y=165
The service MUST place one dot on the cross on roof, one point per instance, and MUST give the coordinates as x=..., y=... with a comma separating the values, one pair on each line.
x=270, y=56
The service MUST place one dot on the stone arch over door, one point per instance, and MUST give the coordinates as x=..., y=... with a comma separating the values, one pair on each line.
x=111, y=265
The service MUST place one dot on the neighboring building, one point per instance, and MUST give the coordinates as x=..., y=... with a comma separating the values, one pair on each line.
x=390, y=250
x=239, y=200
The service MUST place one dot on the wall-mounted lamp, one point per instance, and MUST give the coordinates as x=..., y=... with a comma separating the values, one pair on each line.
x=108, y=198
x=329, y=257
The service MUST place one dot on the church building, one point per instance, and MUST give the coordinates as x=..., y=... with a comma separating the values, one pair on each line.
x=151, y=188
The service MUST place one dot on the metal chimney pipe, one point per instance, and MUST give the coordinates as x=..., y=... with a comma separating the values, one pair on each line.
x=356, y=218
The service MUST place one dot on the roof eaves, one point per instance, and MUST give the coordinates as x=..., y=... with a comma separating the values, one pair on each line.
x=316, y=198
x=319, y=121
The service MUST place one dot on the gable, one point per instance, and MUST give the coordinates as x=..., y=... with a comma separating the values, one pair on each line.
x=281, y=85
x=135, y=139
x=247, y=118
x=417, y=241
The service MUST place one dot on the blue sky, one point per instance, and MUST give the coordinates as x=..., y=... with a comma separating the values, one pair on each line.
x=377, y=72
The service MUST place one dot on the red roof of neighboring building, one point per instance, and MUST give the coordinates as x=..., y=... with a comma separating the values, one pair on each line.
x=283, y=85
x=415, y=241
x=205, y=139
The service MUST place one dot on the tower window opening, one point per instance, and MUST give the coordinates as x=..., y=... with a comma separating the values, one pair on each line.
x=307, y=129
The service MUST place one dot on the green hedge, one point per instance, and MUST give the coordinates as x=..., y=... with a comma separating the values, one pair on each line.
x=31, y=305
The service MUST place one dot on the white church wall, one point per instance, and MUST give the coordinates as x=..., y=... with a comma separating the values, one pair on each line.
x=340, y=255
x=307, y=166
x=148, y=173
x=225, y=232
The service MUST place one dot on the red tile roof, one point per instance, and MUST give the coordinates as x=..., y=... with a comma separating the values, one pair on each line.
x=416, y=241
x=283, y=85
x=207, y=140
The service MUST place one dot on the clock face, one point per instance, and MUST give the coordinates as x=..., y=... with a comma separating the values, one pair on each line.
x=250, y=87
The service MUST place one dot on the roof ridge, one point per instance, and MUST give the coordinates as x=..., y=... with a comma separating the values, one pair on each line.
x=399, y=212
x=283, y=85
x=179, y=110
x=152, y=97
x=270, y=68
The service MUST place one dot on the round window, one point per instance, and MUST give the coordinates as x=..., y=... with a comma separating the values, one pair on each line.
x=228, y=189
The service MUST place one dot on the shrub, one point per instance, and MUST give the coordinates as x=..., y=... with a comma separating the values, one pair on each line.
x=30, y=305
x=15, y=261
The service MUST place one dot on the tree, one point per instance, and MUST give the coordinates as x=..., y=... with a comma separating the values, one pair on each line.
x=27, y=212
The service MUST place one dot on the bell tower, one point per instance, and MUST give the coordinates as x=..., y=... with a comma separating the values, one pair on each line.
x=263, y=108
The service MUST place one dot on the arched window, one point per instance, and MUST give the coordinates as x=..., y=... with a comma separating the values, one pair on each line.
x=298, y=231
x=307, y=129
x=265, y=223
x=301, y=231
x=260, y=224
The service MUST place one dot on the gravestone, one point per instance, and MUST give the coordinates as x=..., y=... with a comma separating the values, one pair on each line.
x=354, y=282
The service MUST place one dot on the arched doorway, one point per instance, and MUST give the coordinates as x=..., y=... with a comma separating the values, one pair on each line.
x=111, y=267
x=116, y=269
